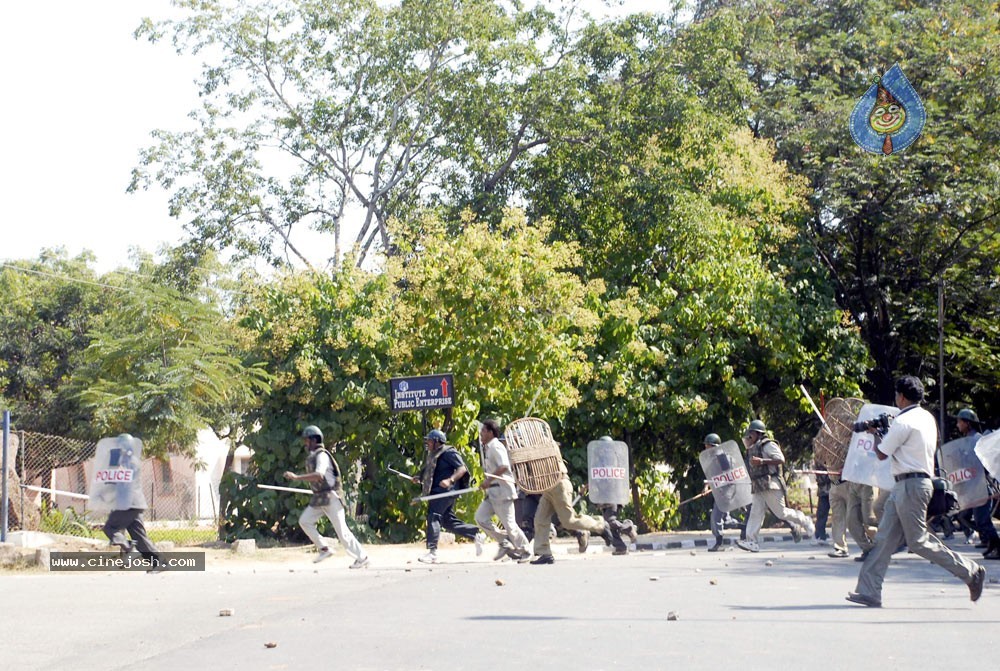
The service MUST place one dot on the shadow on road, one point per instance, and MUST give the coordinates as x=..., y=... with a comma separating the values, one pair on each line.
x=503, y=618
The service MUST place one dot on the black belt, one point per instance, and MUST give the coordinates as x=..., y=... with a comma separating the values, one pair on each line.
x=907, y=476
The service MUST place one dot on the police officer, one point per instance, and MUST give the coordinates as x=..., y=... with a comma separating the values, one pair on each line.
x=558, y=500
x=720, y=518
x=768, y=488
x=126, y=514
x=982, y=516
x=443, y=468
x=324, y=477
x=839, y=498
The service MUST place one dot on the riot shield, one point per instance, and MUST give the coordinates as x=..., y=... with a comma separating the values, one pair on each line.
x=965, y=472
x=834, y=438
x=988, y=451
x=862, y=465
x=608, y=480
x=727, y=474
x=116, y=483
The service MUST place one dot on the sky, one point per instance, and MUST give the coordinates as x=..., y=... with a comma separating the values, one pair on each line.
x=81, y=97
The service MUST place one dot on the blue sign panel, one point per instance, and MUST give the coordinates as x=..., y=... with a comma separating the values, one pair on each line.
x=425, y=392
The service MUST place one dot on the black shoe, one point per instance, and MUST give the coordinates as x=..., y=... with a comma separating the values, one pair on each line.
x=544, y=559
x=158, y=566
x=864, y=600
x=606, y=534
x=616, y=538
x=716, y=547
x=976, y=586
x=863, y=556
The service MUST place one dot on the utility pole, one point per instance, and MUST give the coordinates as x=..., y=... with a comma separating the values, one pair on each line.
x=941, y=413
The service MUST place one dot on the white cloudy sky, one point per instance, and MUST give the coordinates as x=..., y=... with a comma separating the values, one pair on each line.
x=81, y=96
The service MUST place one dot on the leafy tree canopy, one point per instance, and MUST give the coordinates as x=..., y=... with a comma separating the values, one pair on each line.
x=887, y=229
x=497, y=306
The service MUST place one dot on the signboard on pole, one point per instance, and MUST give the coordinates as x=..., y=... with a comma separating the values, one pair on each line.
x=424, y=392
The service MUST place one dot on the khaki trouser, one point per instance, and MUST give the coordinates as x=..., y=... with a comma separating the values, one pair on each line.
x=879, y=507
x=774, y=499
x=905, y=518
x=503, y=508
x=860, y=515
x=559, y=500
x=838, y=510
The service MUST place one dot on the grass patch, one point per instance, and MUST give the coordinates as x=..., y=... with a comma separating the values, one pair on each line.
x=190, y=536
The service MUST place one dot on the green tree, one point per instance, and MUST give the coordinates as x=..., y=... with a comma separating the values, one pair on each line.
x=364, y=106
x=887, y=229
x=163, y=366
x=47, y=307
x=499, y=309
x=689, y=219
x=327, y=340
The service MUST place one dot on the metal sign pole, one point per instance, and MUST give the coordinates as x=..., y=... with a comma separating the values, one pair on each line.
x=3, y=494
x=941, y=413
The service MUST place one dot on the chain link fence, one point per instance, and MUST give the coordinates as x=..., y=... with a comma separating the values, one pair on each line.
x=49, y=478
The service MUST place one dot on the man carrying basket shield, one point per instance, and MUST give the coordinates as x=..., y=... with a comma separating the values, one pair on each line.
x=539, y=469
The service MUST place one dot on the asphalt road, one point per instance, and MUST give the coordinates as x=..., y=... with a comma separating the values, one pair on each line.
x=781, y=608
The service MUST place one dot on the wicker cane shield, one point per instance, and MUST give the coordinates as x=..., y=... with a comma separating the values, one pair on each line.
x=831, y=443
x=534, y=455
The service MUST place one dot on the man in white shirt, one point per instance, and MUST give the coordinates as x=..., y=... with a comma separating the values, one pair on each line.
x=910, y=444
x=500, y=493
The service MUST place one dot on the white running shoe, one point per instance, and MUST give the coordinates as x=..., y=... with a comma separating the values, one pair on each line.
x=360, y=563
x=749, y=546
x=502, y=551
x=429, y=558
x=479, y=540
x=323, y=554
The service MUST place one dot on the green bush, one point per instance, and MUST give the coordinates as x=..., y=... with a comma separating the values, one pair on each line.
x=66, y=522
x=657, y=500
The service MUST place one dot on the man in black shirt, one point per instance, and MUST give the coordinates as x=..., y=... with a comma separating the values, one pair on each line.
x=443, y=468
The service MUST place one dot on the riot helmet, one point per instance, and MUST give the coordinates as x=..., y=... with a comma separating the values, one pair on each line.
x=436, y=435
x=968, y=415
x=713, y=439
x=312, y=431
x=755, y=425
